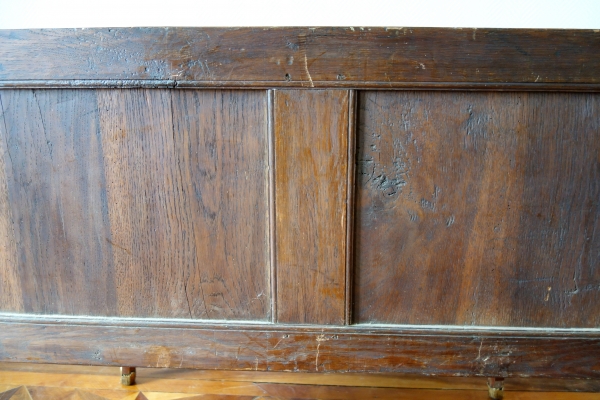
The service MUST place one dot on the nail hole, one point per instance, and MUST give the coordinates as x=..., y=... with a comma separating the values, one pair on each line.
x=288, y=77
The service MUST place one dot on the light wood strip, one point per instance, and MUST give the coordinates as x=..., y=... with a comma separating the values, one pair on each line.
x=311, y=145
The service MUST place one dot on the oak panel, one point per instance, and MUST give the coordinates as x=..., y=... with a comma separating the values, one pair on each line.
x=310, y=130
x=306, y=57
x=478, y=209
x=56, y=208
x=147, y=203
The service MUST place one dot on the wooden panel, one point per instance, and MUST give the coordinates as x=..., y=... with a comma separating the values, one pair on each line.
x=311, y=145
x=147, y=203
x=308, y=57
x=167, y=344
x=57, y=208
x=478, y=209
x=10, y=284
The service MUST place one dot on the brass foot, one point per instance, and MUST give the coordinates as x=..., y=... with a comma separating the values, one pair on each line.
x=127, y=376
x=496, y=388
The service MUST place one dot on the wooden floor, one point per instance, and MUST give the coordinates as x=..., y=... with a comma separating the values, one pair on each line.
x=49, y=382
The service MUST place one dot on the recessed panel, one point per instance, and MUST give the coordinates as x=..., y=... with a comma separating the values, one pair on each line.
x=478, y=208
x=141, y=203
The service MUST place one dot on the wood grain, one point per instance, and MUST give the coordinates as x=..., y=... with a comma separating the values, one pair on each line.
x=272, y=213
x=300, y=57
x=52, y=385
x=145, y=203
x=311, y=150
x=352, y=119
x=353, y=393
x=433, y=351
x=58, y=381
x=10, y=284
x=182, y=380
x=478, y=209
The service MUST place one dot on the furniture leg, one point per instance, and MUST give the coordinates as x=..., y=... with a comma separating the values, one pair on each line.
x=496, y=388
x=127, y=376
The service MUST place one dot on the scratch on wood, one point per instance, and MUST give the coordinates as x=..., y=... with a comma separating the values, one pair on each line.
x=320, y=338
x=277, y=344
x=118, y=247
x=479, y=355
x=306, y=68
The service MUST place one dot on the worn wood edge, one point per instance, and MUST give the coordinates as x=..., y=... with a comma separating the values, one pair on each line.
x=303, y=349
x=200, y=324
x=272, y=211
x=255, y=84
x=341, y=56
x=352, y=118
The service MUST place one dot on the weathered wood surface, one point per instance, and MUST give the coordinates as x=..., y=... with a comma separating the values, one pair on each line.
x=311, y=164
x=450, y=352
x=478, y=209
x=301, y=57
x=472, y=208
x=146, y=203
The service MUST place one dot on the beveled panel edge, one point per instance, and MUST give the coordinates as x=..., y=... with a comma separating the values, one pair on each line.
x=272, y=211
x=350, y=201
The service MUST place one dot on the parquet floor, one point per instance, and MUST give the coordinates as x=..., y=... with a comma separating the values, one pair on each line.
x=49, y=382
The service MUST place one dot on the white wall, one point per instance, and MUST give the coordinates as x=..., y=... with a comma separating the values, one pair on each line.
x=581, y=14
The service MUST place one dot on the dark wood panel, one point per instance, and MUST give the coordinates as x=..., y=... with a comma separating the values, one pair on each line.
x=301, y=349
x=222, y=139
x=148, y=203
x=58, y=222
x=311, y=150
x=478, y=209
x=307, y=57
